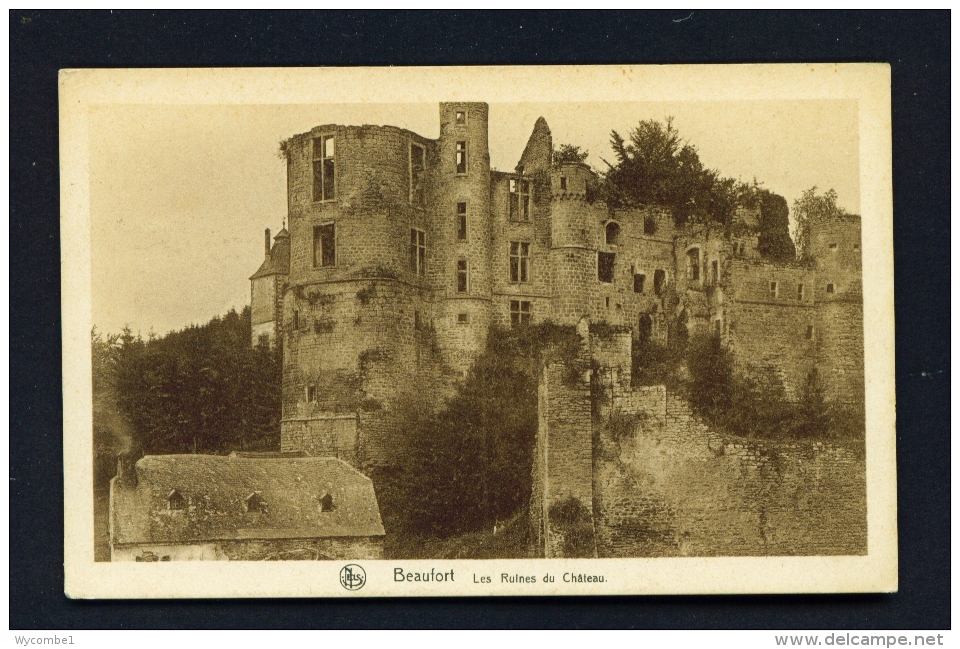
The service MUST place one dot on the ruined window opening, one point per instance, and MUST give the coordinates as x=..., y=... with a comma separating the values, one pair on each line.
x=645, y=328
x=606, y=302
x=829, y=288
x=716, y=328
x=296, y=320
x=326, y=503
x=311, y=394
x=462, y=221
x=519, y=312
x=255, y=503
x=832, y=246
x=693, y=264
x=613, y=233
x=519, y=199
x=742, y=247
x=263, y=340
x=462, y=158
x=715, y=266
x=462, y=276
x=659, y=279
x=799, y=292
x=774, y=290
x=175, y=501
x=417, y=173
x=324, y=168
x=461, y=117
x=649, y=225
x=563, y=183
x=324, y=245
x=463, y=318
x=856, y=246
x=519, y=261
x=418, y=252
x=809, y=332
x=605, y=264
x=638, y=281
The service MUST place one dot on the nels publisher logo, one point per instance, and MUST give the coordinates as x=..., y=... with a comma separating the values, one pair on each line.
x=352, y=577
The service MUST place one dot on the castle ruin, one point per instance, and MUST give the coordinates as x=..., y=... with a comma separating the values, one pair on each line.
x=403, y=251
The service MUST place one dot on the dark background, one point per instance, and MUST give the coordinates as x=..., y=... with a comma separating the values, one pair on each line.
x=916, y=45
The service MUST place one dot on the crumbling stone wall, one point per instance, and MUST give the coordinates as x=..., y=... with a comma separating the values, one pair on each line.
x=563, y=457
x=772, y=332
x=362, y=345
x=671, y=486
x=325, y=435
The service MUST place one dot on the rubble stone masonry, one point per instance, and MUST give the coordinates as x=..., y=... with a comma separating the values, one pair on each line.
x=674, y=487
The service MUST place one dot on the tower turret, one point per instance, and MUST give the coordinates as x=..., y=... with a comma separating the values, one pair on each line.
x=460, y=273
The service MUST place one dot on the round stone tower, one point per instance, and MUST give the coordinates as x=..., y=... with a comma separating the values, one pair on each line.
x=576, y=236
x=357, y=309
x=460, y=271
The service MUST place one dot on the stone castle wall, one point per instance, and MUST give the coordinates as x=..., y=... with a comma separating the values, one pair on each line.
x=563, y=456
x=363, y=346
x=840, y=351
x=323, y=435
x=771, y=332
x=671, y=486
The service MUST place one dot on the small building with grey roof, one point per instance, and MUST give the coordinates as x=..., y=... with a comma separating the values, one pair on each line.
x=246, y=507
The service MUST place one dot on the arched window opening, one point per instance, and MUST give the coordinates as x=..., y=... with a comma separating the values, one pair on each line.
x=613, y=233
x=326, y=503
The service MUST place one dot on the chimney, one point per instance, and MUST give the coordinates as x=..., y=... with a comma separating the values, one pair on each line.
x=127, y=469
x=266, y=243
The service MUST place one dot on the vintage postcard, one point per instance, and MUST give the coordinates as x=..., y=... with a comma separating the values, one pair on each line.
x=478, y=331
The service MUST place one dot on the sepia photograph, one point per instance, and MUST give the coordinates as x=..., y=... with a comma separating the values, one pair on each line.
x=487, y=331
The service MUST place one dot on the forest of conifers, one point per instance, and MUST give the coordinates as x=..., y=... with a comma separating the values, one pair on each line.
x=202, y=389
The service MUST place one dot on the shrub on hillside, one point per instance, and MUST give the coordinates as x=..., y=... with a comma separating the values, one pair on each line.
x=754, y=404
x=571, y=519
x=469, y=465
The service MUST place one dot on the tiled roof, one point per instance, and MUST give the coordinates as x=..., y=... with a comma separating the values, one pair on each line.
x=215, y=489
x=279, y=261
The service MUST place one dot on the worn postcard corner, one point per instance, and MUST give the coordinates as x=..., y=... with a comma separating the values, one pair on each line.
x=478, y=331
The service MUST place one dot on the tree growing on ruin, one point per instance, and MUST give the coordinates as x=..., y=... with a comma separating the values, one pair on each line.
x=655, y=166
x=810, y=207
x=774, y=240
x=568, y=153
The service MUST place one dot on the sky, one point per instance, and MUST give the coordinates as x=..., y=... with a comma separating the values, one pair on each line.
x=180, y=194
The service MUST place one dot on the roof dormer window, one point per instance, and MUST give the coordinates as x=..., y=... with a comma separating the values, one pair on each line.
x=255, y=503
x=175, y=501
